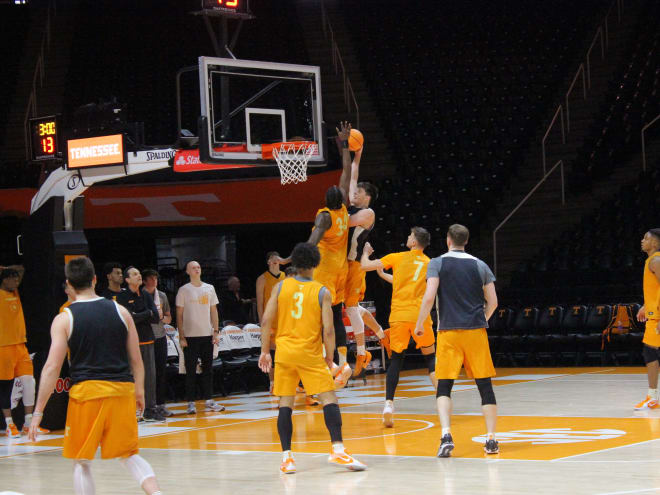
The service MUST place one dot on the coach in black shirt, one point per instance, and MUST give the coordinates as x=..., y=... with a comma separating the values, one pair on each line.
x=141, y=306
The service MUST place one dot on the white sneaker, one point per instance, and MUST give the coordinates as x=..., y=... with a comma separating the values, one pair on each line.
x=388, y=414
x=342, y=377
x=191, y=408
x=212, y=405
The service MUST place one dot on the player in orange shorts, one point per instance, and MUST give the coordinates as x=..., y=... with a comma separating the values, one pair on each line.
x=108, y=381
x=408, y=285
x=461, y=283
x=650, y=313
x=302, y=307
x=330, y=234
x=15, y=361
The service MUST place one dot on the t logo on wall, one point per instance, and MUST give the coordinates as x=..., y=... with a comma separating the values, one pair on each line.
x=551, y=436
x=161, y=208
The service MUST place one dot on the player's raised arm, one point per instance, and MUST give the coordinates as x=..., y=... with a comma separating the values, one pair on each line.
x=368, y=264
x=343, y=133
x=355, y=174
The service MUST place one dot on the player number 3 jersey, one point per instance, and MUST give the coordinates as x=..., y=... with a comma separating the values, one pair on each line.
x=299, y=321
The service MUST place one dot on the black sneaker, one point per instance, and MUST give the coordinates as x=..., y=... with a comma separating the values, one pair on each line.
x=446, y=446
x=164, y=411
x=491, y=446
x=153, y=416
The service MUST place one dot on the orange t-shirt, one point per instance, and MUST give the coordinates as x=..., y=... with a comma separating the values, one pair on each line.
x=12, y=321
x=408, y=284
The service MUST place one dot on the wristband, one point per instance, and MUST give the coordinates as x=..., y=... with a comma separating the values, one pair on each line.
x=344, y=143
x=36, y=414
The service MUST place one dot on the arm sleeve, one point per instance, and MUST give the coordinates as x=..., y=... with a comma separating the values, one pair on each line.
x=486, y=275
x=433, y=269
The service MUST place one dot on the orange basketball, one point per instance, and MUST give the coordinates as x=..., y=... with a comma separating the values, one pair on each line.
x=355, y=140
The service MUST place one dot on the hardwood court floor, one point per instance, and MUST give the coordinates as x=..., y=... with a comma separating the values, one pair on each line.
x=561, y=430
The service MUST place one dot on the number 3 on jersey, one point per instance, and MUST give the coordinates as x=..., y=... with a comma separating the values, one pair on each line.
x=342, y=225
x=296, y=313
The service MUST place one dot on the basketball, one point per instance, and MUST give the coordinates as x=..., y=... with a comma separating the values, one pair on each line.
x=355, y=140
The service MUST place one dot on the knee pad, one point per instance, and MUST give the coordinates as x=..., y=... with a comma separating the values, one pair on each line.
x=650, y=354
x=444, y=388
x=485, y=386
x=430, y=361
x=138, y=467
x=28, y=389
x=357, y=324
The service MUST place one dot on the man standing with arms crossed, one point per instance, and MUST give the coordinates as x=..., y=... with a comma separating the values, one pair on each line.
x=197, y=321
x=461, y=284
x=108, y=382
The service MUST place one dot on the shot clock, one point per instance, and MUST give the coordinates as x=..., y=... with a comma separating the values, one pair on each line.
x=44, y=138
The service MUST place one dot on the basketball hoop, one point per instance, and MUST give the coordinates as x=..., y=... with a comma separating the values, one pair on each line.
x=292, y=161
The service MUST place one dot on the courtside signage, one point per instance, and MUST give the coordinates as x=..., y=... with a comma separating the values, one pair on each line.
x=96, y=151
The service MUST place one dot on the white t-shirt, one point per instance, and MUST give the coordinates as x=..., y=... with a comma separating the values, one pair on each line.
x=196, y=303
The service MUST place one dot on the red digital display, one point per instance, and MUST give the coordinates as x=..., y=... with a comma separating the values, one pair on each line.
x=239, y=7
x=44, y=138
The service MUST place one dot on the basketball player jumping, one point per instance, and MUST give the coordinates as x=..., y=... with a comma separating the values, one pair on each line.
x=108, y=382
x=302, y=307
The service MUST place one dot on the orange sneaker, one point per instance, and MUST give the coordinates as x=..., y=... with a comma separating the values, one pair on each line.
x=12, y=431
x=361, y=363
x=345, y=460
x=342, y=377
x=385, y=342
x=647, y=403
x=40, y=430
x=288, y=465
x=311, y=400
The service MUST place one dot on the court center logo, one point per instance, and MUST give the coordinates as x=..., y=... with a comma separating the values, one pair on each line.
x=553, y=436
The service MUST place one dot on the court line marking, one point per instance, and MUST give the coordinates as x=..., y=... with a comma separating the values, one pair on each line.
x=429, y=424
x=604, y=450
x=642, y=490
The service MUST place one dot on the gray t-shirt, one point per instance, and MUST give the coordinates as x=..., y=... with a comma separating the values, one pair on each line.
x=460, y=299
x=159, y=328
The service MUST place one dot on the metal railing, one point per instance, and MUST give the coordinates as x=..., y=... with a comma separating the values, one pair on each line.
x=31, y=109
x=644, y=140
x=568, y=93
x=559, y=113
x=349, y=95
x=560, y=165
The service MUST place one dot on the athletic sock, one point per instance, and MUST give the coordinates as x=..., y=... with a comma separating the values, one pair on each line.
x=342, y=356
x=653, y=393
x=9, y=420
x=446, y=431
x=28, y=420
x=286, y=454
x=338, y=448
x=285, y=427
x=361, y=350
x=491, y=435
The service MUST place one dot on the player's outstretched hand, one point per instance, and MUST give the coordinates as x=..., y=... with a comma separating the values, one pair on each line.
x=34, y=428
x=368, y=249
x=139, y=402
x=344, y=130
x=265, y=362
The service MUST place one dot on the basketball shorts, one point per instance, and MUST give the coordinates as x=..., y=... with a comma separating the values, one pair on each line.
x=401, y=331
x=334, y=279
x=106, y=421
x=650, y=336
x=314, y=374
x=355, y=284
x=458, y=348
x=14, y=361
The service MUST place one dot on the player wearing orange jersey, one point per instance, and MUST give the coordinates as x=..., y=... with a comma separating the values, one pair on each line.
x=108, y=381
x=302, y=307
x=408, y=286
x=650, y=313
x=330, y=234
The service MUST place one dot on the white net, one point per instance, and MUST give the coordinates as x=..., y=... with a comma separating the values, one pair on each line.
x=292, y=161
